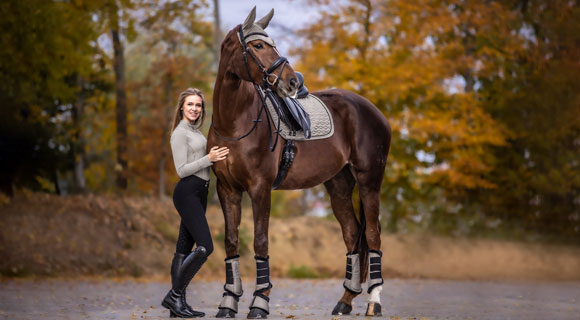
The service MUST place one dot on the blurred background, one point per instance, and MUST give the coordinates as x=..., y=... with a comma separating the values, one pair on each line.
x=483, y=98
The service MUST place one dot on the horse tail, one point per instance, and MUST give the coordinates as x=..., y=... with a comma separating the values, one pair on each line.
x=362, y=246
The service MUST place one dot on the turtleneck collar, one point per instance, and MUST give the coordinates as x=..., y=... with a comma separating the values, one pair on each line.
x=186, y=124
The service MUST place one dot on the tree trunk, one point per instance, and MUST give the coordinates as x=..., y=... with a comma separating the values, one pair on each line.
x=78, y=144
x=217, y=30
x=55, y=182
x=121, y=108
x=166, y=129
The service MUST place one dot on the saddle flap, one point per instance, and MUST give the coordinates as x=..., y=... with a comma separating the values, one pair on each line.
x=299, y=115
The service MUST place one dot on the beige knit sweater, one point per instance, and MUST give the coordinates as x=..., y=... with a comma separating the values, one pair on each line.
x=188, y=146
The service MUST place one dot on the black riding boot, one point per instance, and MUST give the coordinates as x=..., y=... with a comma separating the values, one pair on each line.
x=175, y=265
x=175, y=298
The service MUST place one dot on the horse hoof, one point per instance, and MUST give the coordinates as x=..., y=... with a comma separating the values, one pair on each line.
x=257, y=313
x=341, y=309
x=374, y=309
x=225, y=313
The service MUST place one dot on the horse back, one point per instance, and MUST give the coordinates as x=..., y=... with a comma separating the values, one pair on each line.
x=361, y=125
x=355, y=112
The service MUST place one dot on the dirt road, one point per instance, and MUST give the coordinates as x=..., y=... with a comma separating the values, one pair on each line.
x=308, y=299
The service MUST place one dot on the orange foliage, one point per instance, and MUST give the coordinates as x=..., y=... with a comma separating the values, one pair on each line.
x=405, y=56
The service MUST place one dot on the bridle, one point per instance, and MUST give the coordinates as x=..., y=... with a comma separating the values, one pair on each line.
x=266, y=86
x=281, y=61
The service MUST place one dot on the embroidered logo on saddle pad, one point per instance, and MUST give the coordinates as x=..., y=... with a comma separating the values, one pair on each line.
x=321, y=124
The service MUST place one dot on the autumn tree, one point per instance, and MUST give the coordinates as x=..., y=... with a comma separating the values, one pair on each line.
x=449, y=76
x=538, y=98
x=402, y=55
x=70, y=121
x=173, y=52
x=44, y=50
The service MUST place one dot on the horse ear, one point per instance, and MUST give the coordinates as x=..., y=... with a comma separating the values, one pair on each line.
x=263, y=23
x=250, y=19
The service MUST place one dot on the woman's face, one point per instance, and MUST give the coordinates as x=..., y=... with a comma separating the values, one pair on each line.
x=192, y=108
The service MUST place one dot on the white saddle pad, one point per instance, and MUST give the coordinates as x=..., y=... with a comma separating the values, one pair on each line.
x=321, y=124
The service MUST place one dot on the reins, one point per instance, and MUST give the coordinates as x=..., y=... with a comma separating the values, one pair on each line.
x=266, y=83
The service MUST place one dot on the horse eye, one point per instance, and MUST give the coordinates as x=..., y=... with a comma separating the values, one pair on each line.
x=259, y=46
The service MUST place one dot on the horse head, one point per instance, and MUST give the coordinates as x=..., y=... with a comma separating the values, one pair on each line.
x=250, y=54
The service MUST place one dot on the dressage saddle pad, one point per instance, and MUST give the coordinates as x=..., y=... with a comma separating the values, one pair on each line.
x=321, y=124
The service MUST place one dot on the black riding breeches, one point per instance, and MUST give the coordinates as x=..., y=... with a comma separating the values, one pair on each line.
x=190, y=200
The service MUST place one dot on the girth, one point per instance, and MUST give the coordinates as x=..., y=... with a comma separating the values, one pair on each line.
x=285, y=163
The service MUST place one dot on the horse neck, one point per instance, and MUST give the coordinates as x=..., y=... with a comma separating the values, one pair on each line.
x=233, y=104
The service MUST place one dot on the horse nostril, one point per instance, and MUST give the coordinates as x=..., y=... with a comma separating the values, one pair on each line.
x=294, y=83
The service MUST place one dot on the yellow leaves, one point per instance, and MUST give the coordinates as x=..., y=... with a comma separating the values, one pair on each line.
x=464, y=172
x=460, y=134
x=45, y=184
x=416, y=49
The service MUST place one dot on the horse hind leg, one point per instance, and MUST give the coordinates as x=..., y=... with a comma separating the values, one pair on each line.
x=369, y=190
x=340, y=189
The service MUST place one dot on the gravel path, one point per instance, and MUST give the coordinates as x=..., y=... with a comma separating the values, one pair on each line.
x=302, y=299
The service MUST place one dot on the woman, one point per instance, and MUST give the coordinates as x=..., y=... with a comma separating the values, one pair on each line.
x=188, y=146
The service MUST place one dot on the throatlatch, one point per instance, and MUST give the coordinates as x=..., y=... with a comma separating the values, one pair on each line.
x=233, y=286
x=375, y=276
x=263, y=284
x=352, y=281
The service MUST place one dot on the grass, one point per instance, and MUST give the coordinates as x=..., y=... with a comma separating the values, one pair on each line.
x=301, y=272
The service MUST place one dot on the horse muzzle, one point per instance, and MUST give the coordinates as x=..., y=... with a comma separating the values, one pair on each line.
x=287, y=88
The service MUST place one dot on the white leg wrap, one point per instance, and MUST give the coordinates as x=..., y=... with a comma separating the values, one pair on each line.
x=233, y=286
x=376, y=294
x=229, y=302
x=352, y=281
x=233, y=276
x=375, y=275
x=262, y=274
x=261, y=302
x=263, y=284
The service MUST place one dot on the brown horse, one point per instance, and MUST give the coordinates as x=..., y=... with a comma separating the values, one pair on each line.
x=356, y=153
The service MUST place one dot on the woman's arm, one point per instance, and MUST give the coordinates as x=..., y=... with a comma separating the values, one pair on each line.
x=179, y=150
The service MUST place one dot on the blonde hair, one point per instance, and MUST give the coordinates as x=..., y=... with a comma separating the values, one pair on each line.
x=178, y=114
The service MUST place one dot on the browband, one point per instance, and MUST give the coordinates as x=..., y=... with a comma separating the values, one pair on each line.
x=255, y=34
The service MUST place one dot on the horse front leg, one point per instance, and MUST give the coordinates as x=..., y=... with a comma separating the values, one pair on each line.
x=230, y=199
x=259, y=308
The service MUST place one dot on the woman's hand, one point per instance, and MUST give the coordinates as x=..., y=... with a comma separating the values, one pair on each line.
x=217, y=154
